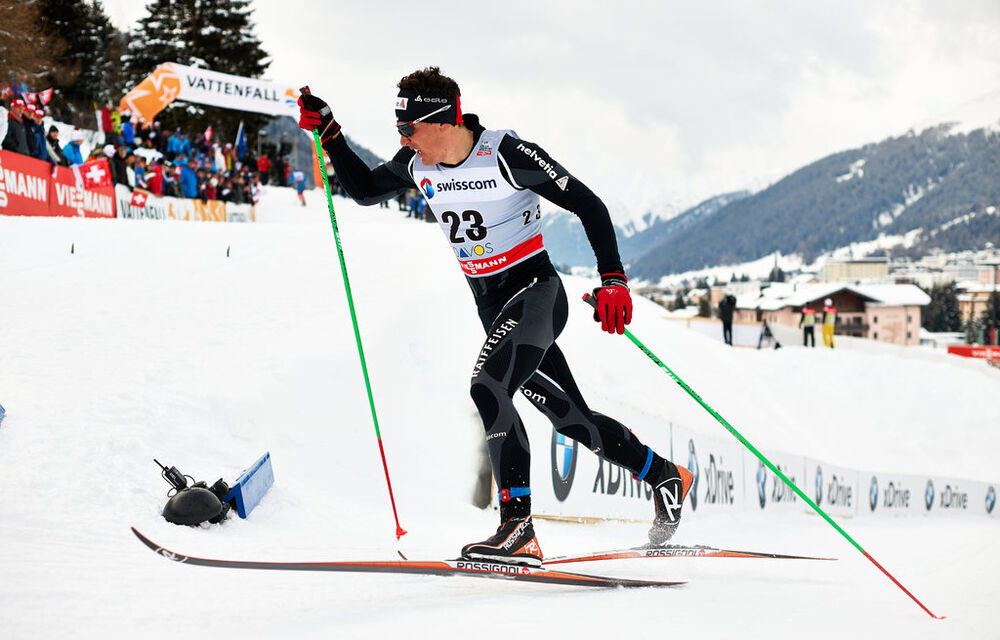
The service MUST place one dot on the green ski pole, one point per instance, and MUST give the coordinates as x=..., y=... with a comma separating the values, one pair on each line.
x=589, y=299
x=400, y=532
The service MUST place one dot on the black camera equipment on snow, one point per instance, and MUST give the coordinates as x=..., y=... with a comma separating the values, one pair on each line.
x=195, y=504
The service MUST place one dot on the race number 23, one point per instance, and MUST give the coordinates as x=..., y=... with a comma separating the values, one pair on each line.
x=475, y=230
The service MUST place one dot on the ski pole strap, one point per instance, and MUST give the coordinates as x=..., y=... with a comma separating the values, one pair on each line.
x=645, y=468
x=506, y=495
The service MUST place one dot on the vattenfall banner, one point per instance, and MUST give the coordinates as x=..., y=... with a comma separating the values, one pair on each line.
x=171, y=81
x=569, y=481
x=142, y=205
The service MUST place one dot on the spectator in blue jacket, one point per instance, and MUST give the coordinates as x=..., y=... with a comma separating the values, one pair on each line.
x=128, y=131
x=173, y=145
x=33, y=124
x=189, y=180
x=185, y=145
x=72, y=148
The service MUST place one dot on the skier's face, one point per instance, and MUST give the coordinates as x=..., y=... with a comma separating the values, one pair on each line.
x=428, y=141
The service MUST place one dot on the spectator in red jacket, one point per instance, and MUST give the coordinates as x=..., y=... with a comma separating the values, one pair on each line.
x=16, y=139
x=107, y=125
x=154, y=178
x=264, y=167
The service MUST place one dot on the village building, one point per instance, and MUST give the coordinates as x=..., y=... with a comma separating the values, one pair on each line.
x=883, y=312
x=855, y=269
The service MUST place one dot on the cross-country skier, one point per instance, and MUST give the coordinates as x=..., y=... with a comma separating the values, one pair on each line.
x=483, y=186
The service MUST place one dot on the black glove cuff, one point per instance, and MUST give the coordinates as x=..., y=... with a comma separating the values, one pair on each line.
x=331, y=130
x=614, y=280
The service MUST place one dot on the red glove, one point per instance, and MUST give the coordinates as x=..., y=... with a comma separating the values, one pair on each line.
x=614, y=303
x=316, y=114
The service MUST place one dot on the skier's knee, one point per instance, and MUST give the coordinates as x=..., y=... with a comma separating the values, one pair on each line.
x=486, y=402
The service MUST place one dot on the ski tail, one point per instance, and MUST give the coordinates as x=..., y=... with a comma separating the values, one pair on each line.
x=672, y=551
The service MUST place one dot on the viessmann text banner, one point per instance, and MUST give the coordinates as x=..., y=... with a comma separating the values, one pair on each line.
x=171, y=81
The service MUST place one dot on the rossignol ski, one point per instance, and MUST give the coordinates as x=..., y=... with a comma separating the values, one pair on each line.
x=472, y=568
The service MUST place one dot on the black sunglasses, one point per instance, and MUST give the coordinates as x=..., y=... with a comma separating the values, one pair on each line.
x=406, y=129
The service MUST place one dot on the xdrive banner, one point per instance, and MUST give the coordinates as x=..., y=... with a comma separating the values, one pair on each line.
x=171, y=81
x=568, y=481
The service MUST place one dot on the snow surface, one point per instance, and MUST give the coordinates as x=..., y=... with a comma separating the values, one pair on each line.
x=148, y=341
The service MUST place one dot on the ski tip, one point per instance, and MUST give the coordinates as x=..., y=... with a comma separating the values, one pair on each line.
x=402, y=556
x=143, y=539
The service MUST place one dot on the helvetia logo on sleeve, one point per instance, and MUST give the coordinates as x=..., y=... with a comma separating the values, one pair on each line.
x=543, y=164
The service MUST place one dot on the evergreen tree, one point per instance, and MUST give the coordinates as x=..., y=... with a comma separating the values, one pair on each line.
x=942, y=313
x=223, y=38
x=208, y=34
x=27, y=52
x=704, y=309
x=776, y=275
x=991, y=317
x=84, y=64
x=157, y=40
x=679, y=302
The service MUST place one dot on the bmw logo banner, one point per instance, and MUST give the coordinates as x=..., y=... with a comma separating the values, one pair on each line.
x=563, y=453
x=572, y=482
x=891, y=495
x=717, y=467
x=835, y=489
x=770, y=493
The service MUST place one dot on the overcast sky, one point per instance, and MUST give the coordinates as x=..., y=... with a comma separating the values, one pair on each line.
x=647, y=102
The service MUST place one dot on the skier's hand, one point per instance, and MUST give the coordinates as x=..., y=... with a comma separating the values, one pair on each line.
x=614, y=303
x=316, y=114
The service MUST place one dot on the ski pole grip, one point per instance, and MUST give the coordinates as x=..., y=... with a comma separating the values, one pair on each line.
x=589, y=299
x=304, y=89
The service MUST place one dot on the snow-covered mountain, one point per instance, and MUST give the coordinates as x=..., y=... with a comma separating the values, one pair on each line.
x=919, y=181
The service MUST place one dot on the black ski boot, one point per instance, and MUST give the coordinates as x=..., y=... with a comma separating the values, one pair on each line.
x=669, y=491
x=513, y=543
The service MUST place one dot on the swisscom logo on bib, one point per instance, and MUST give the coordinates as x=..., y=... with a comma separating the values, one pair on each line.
x=470, y=186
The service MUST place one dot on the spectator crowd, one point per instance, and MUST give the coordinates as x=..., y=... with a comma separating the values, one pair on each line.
x=143, y=155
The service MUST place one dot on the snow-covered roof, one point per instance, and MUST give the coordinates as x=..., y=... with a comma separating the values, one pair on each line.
x=972, y=286
x=895, y=295
x=779, y=296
